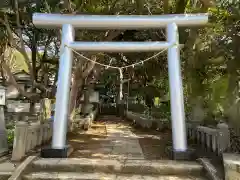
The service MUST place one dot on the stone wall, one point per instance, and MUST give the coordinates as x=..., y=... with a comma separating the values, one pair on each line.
x=147, y=122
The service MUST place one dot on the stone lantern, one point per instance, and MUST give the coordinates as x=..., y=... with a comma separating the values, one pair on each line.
x=3, y=132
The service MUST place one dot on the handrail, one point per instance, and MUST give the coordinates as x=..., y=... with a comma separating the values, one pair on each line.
x=216, y=140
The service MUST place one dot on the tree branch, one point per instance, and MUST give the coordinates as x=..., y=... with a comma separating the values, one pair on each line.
x=89, y=68
x=112, y=9
x=165, y=6
x=22, y=45
x=111, y=34
x=47, y=6
x=13, y=43
x=208, y=3
x=68, y=6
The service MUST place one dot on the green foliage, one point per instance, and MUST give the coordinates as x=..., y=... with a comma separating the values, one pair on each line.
x=219, y=88
x=212, y=63
x=10, y=134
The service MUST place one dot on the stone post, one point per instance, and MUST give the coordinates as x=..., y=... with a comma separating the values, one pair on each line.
x=45, y=109
x=224, y=137
x=3, y=131
x=20, y=141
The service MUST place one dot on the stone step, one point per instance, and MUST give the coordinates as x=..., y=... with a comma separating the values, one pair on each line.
x=101, y=176
x=155, y=167
x=110, y=119
x=5, y=175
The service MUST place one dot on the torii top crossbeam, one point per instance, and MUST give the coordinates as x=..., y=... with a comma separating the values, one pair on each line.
x=118, y=21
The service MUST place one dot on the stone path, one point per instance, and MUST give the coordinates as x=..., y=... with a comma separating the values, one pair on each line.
x=107, y=140
x=112, y=138
x=124, y=142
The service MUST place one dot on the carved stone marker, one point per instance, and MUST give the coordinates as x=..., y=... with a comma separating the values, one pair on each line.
x=3, y=132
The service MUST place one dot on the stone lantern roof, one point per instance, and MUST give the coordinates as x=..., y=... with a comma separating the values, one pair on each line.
x=22, y=77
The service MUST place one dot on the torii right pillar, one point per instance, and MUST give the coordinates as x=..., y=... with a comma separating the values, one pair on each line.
x=180, y=150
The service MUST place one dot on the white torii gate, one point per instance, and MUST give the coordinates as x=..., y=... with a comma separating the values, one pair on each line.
x=69, y=22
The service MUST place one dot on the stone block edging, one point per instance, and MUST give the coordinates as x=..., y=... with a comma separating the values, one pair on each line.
x=22, y=168
x=146, y=122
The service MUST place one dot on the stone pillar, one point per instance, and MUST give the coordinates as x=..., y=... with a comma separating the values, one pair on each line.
x=20, y=141
x=224, y=143
x=3, y=131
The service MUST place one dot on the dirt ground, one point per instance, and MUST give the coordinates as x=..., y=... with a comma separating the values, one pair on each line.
x=153, y=143
x=89, y=144
x=86, y=143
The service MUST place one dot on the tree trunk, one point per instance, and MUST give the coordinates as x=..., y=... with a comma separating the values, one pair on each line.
x=165, y=6
x=34, y=60
x=79, y=74
x=75, y=90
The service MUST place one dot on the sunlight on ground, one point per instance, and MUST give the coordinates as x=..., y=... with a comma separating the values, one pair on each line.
x=151, y=136
x=99, y=155
x=96, y=139
x=77, y=140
